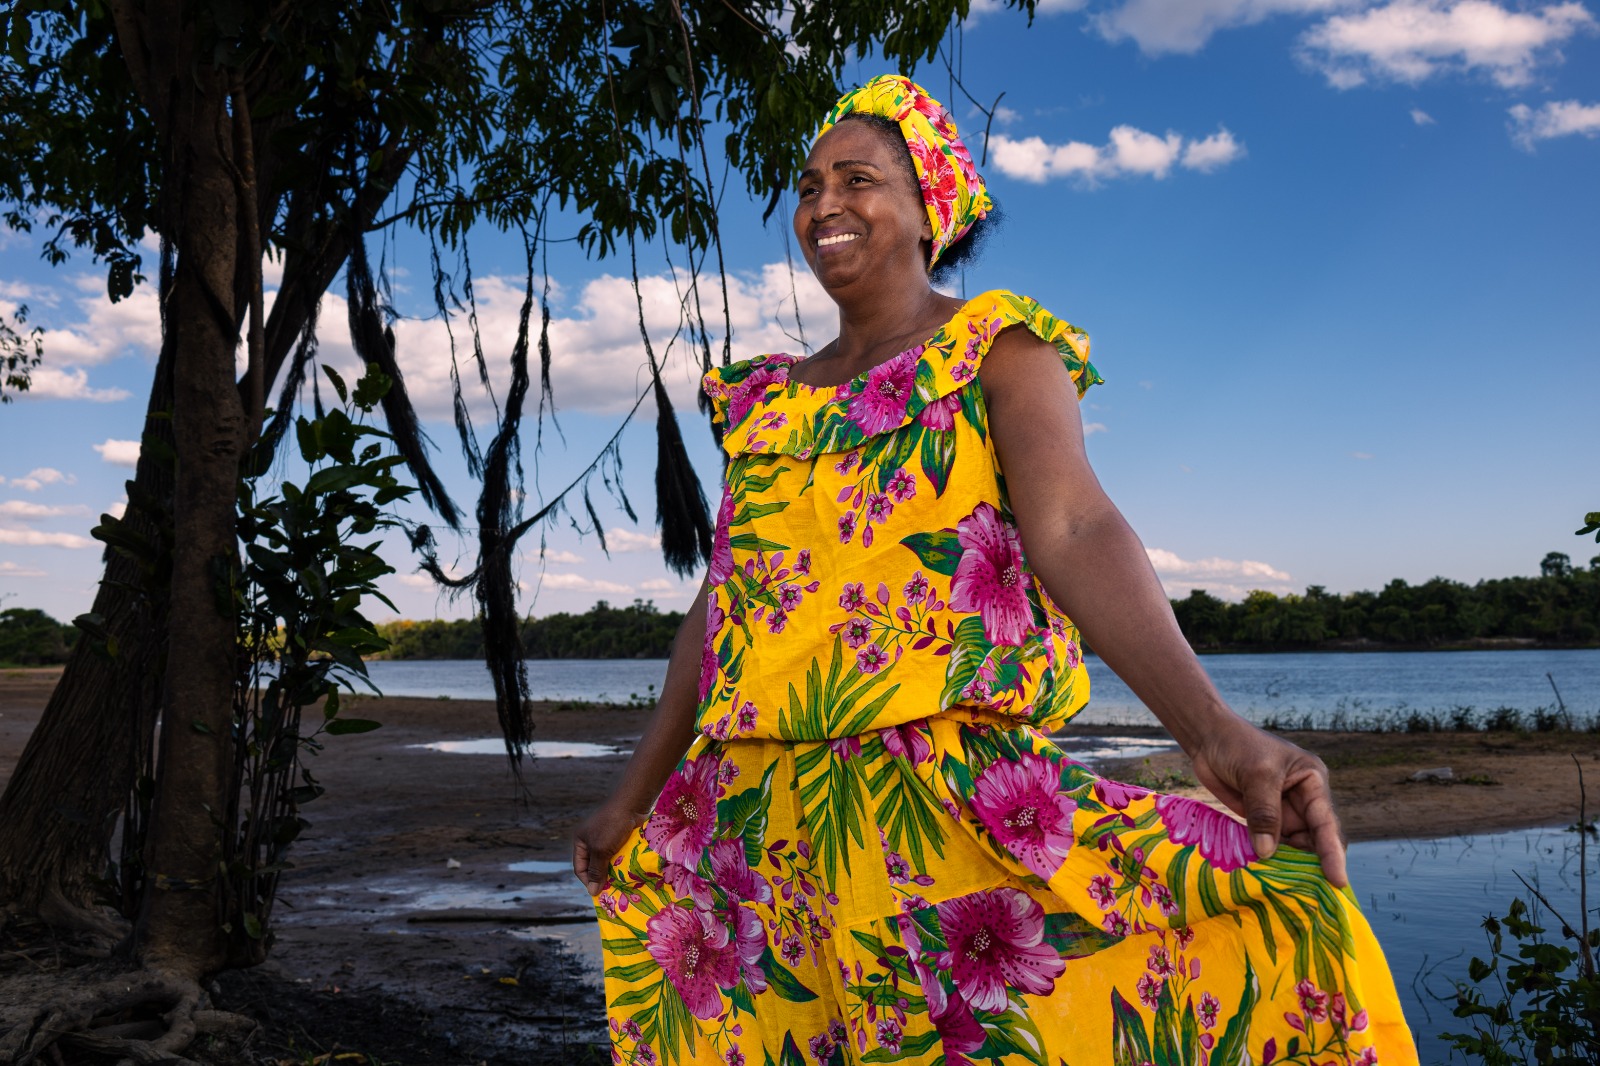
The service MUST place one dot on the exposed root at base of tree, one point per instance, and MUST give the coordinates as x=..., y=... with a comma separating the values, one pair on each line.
x=139, y=1018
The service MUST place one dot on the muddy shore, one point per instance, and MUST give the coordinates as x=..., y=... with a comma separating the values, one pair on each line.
x=430, y=917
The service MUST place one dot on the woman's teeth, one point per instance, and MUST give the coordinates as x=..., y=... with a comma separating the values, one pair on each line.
x=837, y=239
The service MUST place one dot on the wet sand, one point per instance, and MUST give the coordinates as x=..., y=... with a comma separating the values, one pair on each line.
x=406, y=834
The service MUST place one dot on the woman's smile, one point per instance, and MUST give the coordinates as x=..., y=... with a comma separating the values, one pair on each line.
x=835, y=240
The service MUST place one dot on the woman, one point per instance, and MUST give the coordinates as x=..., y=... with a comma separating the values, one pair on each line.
x=844, y=836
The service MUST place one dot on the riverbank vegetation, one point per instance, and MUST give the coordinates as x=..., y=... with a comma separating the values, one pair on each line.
x=1559, y=608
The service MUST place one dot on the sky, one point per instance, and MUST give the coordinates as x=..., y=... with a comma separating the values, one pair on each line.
x=1336, y=259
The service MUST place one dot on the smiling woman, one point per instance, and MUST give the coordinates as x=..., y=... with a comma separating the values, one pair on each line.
x=845, y=835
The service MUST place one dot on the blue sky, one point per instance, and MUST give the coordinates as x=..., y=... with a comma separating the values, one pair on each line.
x=1336, y=259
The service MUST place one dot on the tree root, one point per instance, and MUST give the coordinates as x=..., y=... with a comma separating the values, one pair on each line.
x=136, y=1019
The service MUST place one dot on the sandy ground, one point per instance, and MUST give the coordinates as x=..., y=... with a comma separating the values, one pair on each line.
x=405, y=917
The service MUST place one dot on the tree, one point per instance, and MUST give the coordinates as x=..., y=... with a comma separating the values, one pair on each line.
x=1556, y=564
x=300, y=130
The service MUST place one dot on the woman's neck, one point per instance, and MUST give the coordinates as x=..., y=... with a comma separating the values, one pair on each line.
x=874, y=329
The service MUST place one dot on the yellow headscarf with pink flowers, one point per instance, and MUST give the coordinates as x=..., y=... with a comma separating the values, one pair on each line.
x=952, y=188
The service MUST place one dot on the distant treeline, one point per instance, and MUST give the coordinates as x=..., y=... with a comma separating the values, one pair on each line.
x=638, y=631
x=32, y=638
x=1560, y=607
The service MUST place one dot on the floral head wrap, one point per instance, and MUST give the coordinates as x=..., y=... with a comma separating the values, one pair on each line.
x=952, y=189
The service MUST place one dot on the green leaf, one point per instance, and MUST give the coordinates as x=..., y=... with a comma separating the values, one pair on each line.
x=782, y=981
x=939, y=551
x=342, y=726
x=1130, y=1045
x=338, y=383
x=1232, y=1048
x=938, y=458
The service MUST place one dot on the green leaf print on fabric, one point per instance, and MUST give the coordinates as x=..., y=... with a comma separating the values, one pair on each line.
x=938, y=458
x=1130, y=1044
x=910, y=814
x=745, y=816
x=1233, y=1047
x=940, y=550
x=1074, y=937
x=971, y=652
x=782, y=981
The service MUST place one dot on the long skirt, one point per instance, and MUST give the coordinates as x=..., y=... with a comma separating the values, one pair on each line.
x=952, y=893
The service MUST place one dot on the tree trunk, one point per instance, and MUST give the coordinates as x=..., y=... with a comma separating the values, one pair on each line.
x=178, y=928
x=59, y=811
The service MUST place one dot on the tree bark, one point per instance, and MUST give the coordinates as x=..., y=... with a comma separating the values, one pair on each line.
x=178, y=930
x=60, y=809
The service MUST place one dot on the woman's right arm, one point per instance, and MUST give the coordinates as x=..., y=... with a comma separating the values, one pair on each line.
x=666, y=737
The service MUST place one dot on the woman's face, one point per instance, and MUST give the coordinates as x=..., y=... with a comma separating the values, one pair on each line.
x=860, y=213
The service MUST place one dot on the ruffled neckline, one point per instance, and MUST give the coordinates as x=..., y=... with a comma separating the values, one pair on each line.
x=768, y=412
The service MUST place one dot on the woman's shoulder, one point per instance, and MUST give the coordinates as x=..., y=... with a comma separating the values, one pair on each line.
x=992, y=314
x=728, y=385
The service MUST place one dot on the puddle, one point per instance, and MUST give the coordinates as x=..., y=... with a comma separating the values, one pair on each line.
x=542, y=866
x=538, y=749
x=1098, y=749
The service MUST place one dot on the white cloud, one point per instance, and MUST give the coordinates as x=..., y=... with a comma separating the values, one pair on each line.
x=1128, y=151
x=1091, y=428
x=1005, y=115
x=981, y=8
x=579, y=583
x=46, y=382
x=1361, y=455
x=1412, y=40
x=33, y=538
x=660, y=584
x=1564, y=118
x=11, y=569
x=39, y=477
x=119, y=452
x=1421, y=117
x=23, y=510
x=626, y=540
x=562, y=556
x=1166, y=26
x=106, y=330
x=1227, y=578
x=597, y=360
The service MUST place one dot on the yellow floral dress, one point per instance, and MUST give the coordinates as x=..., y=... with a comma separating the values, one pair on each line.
x=873, y=852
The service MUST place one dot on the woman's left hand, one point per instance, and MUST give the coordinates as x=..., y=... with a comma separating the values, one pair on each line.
x=1280, y=789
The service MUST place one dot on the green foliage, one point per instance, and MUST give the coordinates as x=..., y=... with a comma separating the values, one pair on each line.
x=30, y=637
x=1562, y=606
x=1533, y=1000
x=307, y=567
x=20, y=352
x=638, y=631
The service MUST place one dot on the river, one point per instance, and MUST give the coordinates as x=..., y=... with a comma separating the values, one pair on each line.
x=1326, y=688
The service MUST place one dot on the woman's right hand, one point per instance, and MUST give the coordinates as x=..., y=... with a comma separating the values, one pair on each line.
x=597, y=840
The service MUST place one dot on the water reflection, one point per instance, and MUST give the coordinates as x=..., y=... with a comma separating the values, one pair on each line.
x=538, y=749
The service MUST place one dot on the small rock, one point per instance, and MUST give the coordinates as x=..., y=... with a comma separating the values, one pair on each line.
x=453, y=864
x=1438, y=773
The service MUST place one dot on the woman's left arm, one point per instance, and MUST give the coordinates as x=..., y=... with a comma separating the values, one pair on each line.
x=1095, y=568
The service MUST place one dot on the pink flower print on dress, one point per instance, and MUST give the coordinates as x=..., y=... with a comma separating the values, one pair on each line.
x=749, y=944
x=881, y=405
x=990, y=579
x=788, y=596
x=857, y=632
x=686, y=814
x=728, y=772
x=645, y=1055
x=847, y=527
x=1101, y=892
x=879, y=507
x=1116, y=795
x=1313, y=1001
x=733, y=1057
x=802, y=563
x=721, y=566
x=889, y=1035
x=908, y=741
x=1160, y=962
x=996, y=940
x=964, y=371
x=821, y=1048
x=749, y=392
x=853, y=595
x=1116, y=924
x=898, y=869
x=871, y=659
x=731, y=871
x=1222, y=842
x=916, y=588
x=747, y=717
x=776, y=621
x=792, y=950
x=708, y=653
x=1020, y=801
x=1150, y=990
x=697, y=954
x=902, y=485
x=940, y=414
x=1210, y=1007
x=848, y=463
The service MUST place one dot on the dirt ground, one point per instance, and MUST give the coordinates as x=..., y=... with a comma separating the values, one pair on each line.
x=405, y=933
